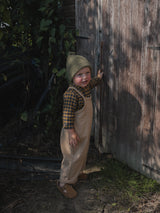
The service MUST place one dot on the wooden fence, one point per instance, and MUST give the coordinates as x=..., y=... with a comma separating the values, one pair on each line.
x=124, y=36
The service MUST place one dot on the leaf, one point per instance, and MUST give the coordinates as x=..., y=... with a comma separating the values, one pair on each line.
x=114, y=204
x=39, y=40
x=53, y=32
x=2, y=8
x=44, y=25
x=55, y=70
x=42, y=9
x=48, y=2
x=49, y=50
x=27, y=87
x=52, y=40
x=61, y=72
x=1, y=35
x=4, y=77
x=67, y=45
x=62, y=29
x=50, y=13
x=36, y=62
x=24, y=116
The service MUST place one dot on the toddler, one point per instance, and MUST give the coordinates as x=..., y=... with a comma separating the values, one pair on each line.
x=77, y=123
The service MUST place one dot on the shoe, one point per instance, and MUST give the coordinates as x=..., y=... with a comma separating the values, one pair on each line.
x=67, y=190
x=82, y=176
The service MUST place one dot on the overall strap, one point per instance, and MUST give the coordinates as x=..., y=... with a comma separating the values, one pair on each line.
x=77, y=92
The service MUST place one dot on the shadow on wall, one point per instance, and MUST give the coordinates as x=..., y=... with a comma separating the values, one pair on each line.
x=128, y=119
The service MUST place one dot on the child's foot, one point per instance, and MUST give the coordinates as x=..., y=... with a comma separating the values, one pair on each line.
x=67, y=190
x=82, y=176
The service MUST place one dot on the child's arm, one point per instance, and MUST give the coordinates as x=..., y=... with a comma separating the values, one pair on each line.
x=69, y=106
x=73, y=137
x=96, y=80
x=100, y=74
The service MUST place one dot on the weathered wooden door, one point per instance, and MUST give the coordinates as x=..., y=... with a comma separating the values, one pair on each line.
x=128, y=115
x=131, y=29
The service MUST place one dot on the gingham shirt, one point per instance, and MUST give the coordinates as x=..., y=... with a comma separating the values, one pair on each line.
x=73, y=101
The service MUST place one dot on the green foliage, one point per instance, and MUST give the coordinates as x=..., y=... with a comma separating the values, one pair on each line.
x=50, y=117
x=24, y=116
x=38, y=26
x=117, y=178
x=39, y=30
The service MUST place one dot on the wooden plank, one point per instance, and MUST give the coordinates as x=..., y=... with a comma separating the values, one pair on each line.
x=151, y=134
x=69, y=13
x=30, y=164
x=128, y=106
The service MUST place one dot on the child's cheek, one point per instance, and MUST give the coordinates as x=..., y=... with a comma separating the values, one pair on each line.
x=77, y=81
x=89, y=78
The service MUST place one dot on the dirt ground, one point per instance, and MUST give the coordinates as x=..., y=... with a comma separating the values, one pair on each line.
x=22, y=192
x=34, y=192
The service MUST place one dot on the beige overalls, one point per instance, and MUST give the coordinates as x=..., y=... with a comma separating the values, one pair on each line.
x=74, y=158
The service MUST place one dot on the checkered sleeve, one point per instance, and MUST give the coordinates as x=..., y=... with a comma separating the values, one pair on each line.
x=69, y=108
x=94, y=82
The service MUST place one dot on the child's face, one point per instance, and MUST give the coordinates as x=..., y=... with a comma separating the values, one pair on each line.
x=82, y=77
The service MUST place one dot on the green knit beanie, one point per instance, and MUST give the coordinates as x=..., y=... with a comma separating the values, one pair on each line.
x=74, y=64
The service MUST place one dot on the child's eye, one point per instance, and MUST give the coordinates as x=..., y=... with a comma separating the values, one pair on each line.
x=79, y=75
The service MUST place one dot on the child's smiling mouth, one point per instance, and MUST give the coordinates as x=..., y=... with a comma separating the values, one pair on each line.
x=85, y=82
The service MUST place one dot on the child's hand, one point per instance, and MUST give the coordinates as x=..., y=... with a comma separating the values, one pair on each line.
x=100, y=74
x=73, y=137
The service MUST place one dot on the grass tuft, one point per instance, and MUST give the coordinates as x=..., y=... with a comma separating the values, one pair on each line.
x=118, y=180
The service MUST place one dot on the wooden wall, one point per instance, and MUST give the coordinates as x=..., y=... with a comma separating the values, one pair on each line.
x=127, y=107
x=69, y=12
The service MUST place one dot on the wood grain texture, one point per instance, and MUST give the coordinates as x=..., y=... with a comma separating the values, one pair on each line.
x=130, y=124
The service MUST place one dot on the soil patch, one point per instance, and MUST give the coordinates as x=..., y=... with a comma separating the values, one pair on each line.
x=111, y=187
x=39, y=194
